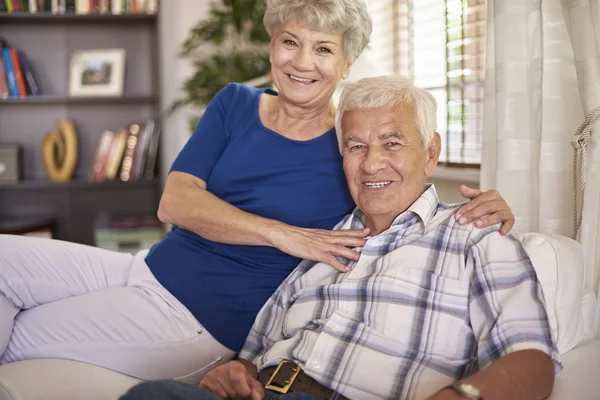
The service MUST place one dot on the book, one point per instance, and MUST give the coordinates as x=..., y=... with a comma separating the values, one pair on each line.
x=4, y=91
x=97, y=173
x=19, y=78
x=82, y=6
x=10, y=75
x=28, y=74
x=117, y=6
x=132, y=143
x=115, y=155
x=141, y=151
x=150, y=165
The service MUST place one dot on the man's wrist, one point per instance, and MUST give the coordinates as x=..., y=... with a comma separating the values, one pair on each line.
x=251, y=368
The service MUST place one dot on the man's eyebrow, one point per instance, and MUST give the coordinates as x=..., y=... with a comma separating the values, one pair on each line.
x=393, y=134
x=351, y=139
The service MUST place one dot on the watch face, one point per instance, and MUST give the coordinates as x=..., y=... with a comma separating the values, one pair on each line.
x=469, y=389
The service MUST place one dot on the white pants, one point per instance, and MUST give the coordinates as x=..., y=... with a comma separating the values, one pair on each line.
x=69, y=301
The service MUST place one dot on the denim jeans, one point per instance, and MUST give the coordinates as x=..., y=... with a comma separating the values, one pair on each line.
x=173, y=390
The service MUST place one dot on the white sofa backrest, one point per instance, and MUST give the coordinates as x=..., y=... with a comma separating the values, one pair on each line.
x=558, y=262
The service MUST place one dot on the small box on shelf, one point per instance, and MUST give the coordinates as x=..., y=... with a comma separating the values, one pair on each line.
x=128, y=235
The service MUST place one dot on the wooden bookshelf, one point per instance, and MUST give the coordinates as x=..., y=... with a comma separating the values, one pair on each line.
x=46, y=17
x=56, y=99
x=48, y=40
x=78, y=184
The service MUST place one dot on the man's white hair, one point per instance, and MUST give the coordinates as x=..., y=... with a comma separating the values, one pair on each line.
x=349, y=18
x=385, y=92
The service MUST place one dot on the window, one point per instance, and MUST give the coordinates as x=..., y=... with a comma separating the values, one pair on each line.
x=440, y=45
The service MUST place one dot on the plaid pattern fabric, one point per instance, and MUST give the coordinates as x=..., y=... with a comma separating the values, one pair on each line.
x=429, y=301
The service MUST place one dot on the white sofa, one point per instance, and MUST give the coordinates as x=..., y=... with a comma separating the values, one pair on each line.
x=559, y=265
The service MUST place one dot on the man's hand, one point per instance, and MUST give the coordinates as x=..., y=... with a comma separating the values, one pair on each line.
x=486, y=209
x=232, y=381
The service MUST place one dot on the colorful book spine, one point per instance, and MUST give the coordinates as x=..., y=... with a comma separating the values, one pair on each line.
x=19, y=78
x=10, y=74
x=4, y=92
x=28, y=74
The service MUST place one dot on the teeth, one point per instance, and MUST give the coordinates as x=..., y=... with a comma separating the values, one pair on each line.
x=376, y=185
x=297, y=78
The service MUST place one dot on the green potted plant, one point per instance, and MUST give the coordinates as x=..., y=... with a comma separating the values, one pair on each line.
x=240, y=44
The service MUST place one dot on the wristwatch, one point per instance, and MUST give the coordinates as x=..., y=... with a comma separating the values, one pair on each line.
x=465, y=390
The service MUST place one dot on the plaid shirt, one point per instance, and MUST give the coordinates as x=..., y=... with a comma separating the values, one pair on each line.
x=429, y=301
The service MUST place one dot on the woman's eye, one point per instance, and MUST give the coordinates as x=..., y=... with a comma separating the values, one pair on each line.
x=323, y=50
x=289, y=42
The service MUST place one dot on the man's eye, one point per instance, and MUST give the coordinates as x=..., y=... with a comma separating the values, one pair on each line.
x=392, y=145
x=357, y=147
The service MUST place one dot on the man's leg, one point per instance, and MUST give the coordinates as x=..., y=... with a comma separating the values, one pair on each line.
x=167, y=390
x=173, y=390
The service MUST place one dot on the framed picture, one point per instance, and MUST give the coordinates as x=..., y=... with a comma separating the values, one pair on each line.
x=97, y=73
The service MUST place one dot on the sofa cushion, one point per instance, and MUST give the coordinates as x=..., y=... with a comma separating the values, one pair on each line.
x=558, y=262
x=60, y=379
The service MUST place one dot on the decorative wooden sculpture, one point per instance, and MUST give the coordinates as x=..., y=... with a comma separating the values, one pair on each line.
x=60, y=152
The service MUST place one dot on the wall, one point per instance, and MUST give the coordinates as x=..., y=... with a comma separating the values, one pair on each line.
x=448, y=180
x=175, y=21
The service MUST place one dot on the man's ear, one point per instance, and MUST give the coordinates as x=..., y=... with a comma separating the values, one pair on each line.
x=433, y=154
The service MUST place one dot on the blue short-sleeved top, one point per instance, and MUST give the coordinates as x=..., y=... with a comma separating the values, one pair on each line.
x=259, y=171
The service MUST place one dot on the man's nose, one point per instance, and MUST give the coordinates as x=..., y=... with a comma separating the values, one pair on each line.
x=374, y=161
x=303, y=60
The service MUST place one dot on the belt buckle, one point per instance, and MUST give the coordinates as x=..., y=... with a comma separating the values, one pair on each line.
x=283, y=387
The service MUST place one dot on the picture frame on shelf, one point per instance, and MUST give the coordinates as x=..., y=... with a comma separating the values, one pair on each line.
x=98, y=73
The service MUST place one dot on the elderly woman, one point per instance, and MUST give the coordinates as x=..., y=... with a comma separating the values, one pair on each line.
x=258, y=186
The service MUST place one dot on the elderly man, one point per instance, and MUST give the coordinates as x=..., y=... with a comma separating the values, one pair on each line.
x=431, y=310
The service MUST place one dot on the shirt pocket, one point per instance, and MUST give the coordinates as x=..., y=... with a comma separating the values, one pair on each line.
x=429, y=313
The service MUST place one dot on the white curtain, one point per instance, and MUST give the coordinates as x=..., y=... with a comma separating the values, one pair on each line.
x=542, y=80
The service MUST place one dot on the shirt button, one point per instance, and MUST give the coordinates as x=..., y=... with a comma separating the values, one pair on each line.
x=315, y=364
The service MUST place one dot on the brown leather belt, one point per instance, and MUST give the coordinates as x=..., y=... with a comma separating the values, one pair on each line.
x=287, y=377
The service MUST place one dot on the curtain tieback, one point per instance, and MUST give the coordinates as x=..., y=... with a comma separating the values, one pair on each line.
x=579, y=143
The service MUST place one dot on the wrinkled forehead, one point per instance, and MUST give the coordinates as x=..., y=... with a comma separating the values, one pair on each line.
x=303, y=28
x=364, y=122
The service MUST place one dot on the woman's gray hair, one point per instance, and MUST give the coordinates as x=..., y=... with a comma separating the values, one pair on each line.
x=385, y=92
x=346, y=17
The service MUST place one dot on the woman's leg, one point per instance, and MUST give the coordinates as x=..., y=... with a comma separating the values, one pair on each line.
x=138, y=329
x=37, y=271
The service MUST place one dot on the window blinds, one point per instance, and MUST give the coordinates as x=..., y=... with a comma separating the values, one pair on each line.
x=440, y=45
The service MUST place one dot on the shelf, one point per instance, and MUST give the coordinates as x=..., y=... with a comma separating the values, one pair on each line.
x=53, y=99
x=78, y=184
x=46, y=17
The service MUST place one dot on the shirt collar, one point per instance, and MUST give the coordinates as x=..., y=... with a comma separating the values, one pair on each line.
x=424, y=207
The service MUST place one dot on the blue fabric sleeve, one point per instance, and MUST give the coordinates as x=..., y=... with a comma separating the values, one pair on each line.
x=207, y=143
